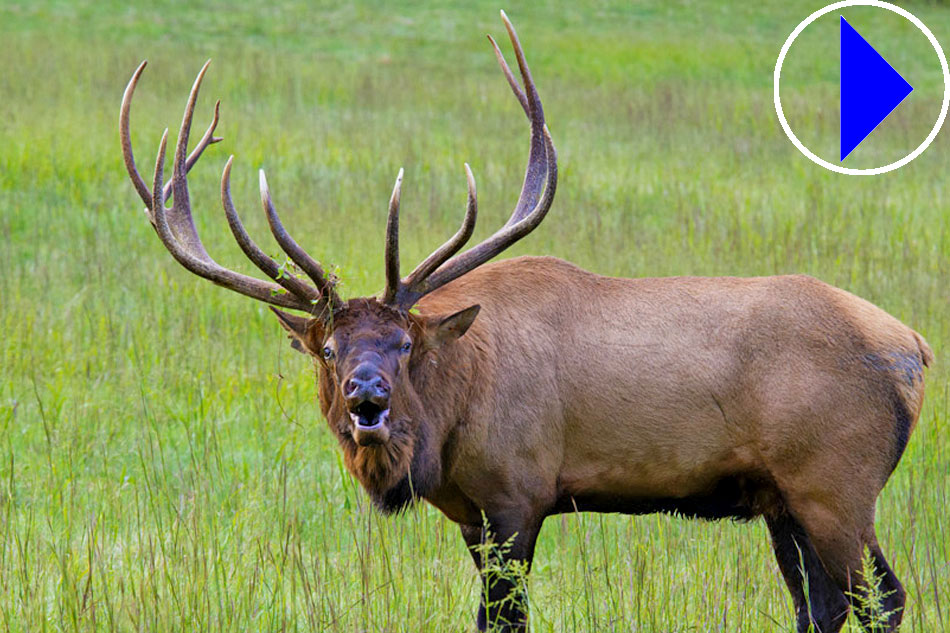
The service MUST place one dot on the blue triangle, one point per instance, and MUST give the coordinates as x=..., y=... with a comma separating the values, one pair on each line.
x=870, y=89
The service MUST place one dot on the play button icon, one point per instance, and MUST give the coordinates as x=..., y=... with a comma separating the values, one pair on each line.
x=870, y=88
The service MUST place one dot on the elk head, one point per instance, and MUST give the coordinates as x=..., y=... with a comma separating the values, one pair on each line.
x=366, y=348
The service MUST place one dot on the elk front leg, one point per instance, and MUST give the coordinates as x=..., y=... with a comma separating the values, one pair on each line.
x=502, y=551
x=473, y=542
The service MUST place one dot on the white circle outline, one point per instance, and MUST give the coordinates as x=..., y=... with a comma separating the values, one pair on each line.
x=850, y=170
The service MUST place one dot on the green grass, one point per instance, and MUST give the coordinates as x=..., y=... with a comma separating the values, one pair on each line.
x=163, y=464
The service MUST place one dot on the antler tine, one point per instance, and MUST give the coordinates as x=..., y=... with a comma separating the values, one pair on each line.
x=207, y=139
x=415, y=282
x=253, y=252
x=535, y=172
x=512, y=82
x=158, y=210
x=534, y=201
x=298, y=255
x=180, y=220
x=125, y=137
x=507, y=235
x=393, y=283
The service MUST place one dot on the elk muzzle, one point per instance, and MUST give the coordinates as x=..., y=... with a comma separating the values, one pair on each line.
x=367, y=400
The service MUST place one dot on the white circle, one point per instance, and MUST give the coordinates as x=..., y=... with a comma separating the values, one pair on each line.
x=943, y=108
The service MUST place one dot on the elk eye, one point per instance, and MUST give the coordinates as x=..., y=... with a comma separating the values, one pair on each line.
x=327, y=353
x=406, y=347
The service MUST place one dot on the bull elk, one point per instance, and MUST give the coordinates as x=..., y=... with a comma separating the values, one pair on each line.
x=780, y=397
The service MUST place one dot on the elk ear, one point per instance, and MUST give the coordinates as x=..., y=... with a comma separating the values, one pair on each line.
x=455, y=325
x=298, y=327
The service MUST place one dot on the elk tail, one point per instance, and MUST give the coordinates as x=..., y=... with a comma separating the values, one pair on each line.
x=926, y=354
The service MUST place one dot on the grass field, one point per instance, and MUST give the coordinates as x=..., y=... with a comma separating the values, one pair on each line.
x=163, y=464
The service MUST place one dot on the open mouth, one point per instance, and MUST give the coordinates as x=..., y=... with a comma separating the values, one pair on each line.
x=368, y=416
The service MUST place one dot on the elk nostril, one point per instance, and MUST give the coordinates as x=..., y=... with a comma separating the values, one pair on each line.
x=376, y=387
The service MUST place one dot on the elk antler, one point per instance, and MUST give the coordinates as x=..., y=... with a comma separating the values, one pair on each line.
x=443, y=265
x=176, y=228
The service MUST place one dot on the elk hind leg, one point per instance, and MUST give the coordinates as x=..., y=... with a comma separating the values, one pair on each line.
x=840, y=540
x=889, y=589
x=825, y=608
